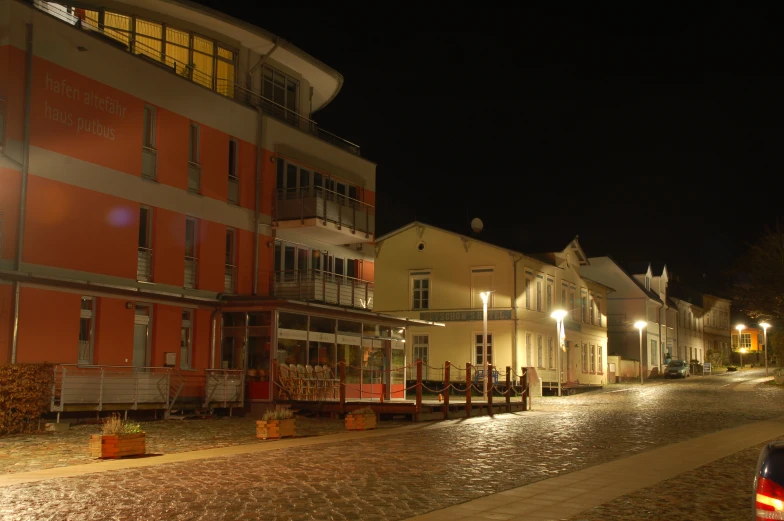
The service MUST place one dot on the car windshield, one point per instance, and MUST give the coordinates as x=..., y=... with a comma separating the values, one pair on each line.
x=676, y=363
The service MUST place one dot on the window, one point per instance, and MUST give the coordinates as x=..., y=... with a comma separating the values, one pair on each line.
x=598, y=303
x=549, y=301
x=118, y=26
x=421, y=351
x=149, y=155
x=230, y=274
x=234, y=181
x=194, y=167
x=712, y=318
x=420, y=290
x=144, y=255
x=190, y=253
x=528, y=351
x=529, y=278
x=539, y=280
x=584, y=305
x=280, y=94
x=600, y=357
x=564, y=302
x=203, y=60
x=479, y=349
x=593, y=358
x=572, y=301
x=745, y=342
x=481, y=280
x=550, y=353
x=148, y=39
x=186, y=340
x=224, y=83
x=585, y=358
x=539, y=352
x=86, y=331
x=654, y=353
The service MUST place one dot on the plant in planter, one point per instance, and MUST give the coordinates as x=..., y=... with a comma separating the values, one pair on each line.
x=118, y=438
x=361, y=419
x=278, y=423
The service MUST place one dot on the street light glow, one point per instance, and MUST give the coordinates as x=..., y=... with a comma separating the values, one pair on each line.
x=558, y=314
x=740, y=327
x=484, y=295
x=764, y=325
x=640, y=324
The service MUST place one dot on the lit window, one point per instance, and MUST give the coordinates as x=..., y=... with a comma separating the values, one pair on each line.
x=420, y=290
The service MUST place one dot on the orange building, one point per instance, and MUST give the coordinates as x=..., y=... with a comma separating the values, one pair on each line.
x=171, y=218
x=752, y=339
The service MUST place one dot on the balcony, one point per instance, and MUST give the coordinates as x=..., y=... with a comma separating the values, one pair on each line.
x=194, y=177
x=325, y=215
x=320, y=286
x=230, y=279
x=188, y=71
x=144, y=265
x=149, y=163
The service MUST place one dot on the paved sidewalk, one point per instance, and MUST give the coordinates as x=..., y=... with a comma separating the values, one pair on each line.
x=569, y=494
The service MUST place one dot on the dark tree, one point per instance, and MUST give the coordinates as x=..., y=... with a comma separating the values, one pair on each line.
x=759, y=287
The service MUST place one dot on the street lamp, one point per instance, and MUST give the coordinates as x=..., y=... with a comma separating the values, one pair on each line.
x=485, y=296
x=765, y=327
x=558, y=315
x=640, y=324
x=740, y=327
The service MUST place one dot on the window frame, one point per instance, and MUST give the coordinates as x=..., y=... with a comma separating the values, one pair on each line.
x=540, y=351
x=529, y=350
x=477, y=336
x=592, y=351
x=88, y=314
x=475, y=294
x=600, y=359
x=584, y=358
x=150, y=144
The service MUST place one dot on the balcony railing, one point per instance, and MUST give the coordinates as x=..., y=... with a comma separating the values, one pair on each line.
x=328, y=206
x=188, y=70
x=230, y=279
x=149, y=163
x=234, y=189
x=321, y=286
x=194, y=177
x=144, y=265
x=191, y=268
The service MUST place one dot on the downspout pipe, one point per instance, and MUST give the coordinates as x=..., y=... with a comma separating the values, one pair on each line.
x=514, y=313
x=259, y=64
x=257, y=206
x=23, y=190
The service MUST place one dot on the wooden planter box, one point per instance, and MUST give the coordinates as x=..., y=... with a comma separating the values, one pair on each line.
x=360, y=422
x=117, y=446
x=276, y=428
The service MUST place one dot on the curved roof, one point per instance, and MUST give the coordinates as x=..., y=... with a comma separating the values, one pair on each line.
x=326, y=81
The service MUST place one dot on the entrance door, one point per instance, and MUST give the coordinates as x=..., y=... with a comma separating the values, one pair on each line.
x=141, y=336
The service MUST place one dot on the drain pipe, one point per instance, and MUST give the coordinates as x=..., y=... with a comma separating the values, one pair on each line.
x=214, y=321
x=249, y=80
x=514, y=312
x=23, y=190
x=257, y=207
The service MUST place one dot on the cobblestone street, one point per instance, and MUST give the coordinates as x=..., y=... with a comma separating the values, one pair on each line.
x=408, y=473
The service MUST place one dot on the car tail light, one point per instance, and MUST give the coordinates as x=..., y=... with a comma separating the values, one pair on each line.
x=769, y=501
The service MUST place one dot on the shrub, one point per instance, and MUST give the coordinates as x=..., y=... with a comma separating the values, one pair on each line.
x=363, y=410
x=25, y=394
x=115, y=425
x=278, y=414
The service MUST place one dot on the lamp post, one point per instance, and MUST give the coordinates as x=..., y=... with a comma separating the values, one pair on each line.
x=765, y=327
x=640, y=324
x=485, y=295
x=740, y=327
x=559, y=316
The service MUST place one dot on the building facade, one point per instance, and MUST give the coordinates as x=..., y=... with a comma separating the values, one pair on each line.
x=427, y=273
x=691, y=320
x=168, y=202
x=716, y=325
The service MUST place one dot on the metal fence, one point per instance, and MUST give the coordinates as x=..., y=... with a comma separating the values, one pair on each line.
x=322, y=286
x=327, y=205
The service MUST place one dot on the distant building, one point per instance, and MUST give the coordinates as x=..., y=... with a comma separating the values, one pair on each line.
x=716, y=324
x=428, y=273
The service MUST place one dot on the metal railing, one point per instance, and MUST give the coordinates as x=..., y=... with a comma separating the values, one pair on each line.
x=149, y=163
x=224, y=387
x=224, y=87
x=230, y=279
x=144, y=265
x=191, y=269
x=326, y=205
x=321, y=286
x=234, y=189
x=100, y=386
x=194, y=177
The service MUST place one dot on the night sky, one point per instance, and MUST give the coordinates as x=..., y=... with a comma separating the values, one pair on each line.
x=652, y=135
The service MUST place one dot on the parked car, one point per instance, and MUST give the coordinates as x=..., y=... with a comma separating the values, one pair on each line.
x=768, y=494
x=677, y=369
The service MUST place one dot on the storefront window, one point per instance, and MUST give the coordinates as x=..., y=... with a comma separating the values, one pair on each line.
x=351, y=355
x=398, y=362
x=322, y=325
x=233, y=345
x=345, y=326
x=291, y=352
x=373, y=362
x=292, y=321
x=259, y=338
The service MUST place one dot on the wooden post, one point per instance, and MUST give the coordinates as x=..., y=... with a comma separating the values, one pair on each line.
x=342, y=365
x=468, y=390
x=447, y=384
x=490, y=388
x=508, y=389
x=526, y=390
x=418, y=390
